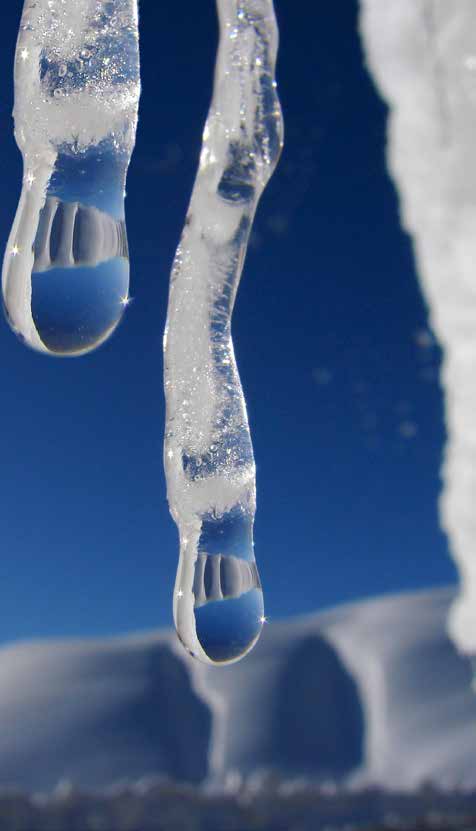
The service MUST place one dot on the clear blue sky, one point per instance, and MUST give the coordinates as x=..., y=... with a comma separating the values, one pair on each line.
x=325, y=334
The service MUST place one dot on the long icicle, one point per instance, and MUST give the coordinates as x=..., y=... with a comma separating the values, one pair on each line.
x=209, y=463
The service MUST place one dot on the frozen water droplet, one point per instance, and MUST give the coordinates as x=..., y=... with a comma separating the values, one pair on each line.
x=218, y=601
x=64, y=288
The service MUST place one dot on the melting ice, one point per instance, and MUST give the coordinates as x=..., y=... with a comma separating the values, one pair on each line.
x=218, y=601
x=77, y=86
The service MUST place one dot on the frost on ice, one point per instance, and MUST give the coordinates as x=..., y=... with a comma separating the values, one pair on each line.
x=218, y=602
x=422, y=56
x=66, y=267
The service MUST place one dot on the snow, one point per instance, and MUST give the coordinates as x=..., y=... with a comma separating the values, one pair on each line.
x=422, y=59
x=373, y=692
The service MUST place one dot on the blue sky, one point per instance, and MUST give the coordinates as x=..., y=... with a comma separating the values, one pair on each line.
x=329, y=329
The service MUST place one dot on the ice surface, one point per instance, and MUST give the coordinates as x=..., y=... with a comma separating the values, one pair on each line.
x=422, y=57
x=210, y=469
x=370, y=692
x=66, y=268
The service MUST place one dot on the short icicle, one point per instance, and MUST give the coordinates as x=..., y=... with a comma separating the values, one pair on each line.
x=77, y=85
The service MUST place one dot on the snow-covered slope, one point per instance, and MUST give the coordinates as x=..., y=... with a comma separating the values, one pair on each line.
x=369, y=692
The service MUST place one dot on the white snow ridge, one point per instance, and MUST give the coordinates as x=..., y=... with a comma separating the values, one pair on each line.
x=372, y=692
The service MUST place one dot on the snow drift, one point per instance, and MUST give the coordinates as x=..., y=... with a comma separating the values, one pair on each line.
x=369, y=693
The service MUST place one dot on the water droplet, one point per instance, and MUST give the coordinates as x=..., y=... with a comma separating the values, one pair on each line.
x=218, y=605
x=64, y=291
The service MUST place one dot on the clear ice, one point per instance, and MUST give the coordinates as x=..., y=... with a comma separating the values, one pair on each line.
x=77, y=87
x=209, y=463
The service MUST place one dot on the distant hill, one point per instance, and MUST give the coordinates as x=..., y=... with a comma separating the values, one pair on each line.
x=372, y=692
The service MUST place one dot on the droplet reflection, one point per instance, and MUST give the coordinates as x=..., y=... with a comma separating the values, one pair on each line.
x=218, y=605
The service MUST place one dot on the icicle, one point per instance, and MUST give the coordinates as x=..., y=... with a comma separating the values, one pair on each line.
x=66, y=267
x=218, y=601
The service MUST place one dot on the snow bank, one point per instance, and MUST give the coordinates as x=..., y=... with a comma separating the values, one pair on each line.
x=373, y=692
